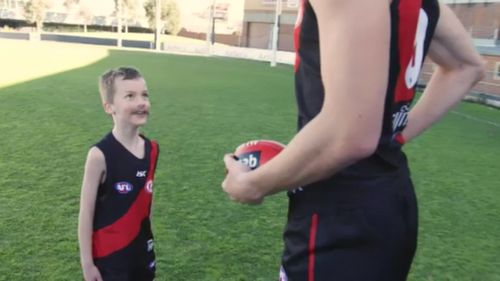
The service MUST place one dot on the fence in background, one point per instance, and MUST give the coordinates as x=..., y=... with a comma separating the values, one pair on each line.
x=486, y=91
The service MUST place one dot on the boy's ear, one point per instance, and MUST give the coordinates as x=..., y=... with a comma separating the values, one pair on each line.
x=108, y=108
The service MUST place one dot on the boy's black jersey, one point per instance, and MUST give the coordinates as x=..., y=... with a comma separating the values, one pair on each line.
x=122, y=234
x=412, y=26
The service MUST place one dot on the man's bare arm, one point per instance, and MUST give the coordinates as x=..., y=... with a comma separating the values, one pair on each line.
x=459, y=67
x=354, y=69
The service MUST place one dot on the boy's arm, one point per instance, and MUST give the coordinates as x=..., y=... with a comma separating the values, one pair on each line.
x=95, y=168
x=459, y=67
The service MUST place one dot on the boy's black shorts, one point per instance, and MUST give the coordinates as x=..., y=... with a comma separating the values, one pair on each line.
x=143, y=273
x=132, y=274
x=351, y=231
x=128, y=264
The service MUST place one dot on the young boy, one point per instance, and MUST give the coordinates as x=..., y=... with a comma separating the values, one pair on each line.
x=116, y=241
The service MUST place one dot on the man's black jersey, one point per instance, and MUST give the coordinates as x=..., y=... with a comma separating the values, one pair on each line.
x=122, y=234
x=412, y=26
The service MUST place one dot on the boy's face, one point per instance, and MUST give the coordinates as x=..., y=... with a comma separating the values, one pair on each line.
x=130, y=103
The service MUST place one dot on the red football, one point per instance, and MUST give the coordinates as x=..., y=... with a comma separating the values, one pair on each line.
x=257, y=152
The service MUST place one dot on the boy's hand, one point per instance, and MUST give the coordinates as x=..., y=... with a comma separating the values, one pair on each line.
x=91, y=273
x=236, y=184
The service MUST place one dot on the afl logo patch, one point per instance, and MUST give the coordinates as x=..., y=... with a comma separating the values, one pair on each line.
x=123, y=187
x=149, y=186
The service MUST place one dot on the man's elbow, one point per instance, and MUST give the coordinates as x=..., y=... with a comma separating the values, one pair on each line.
x=469, y=73
x=478, y=71
x=364, y=149
x=358, y=148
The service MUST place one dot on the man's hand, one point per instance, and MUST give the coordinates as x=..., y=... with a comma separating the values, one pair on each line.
x=237, y=184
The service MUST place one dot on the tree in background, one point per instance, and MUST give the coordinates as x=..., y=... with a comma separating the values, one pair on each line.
x=86, y=15
x=69, y=4
x=170, y=16
x=34, y=11
x=130, y=11
x=81, y=9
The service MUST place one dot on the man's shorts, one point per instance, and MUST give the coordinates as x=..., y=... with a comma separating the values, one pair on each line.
x=352, y=230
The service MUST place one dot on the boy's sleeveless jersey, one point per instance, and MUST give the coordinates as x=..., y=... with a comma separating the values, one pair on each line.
x=122, y=234
x=412, y=26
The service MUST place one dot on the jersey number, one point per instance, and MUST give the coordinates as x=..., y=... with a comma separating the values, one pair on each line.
x=412, y=32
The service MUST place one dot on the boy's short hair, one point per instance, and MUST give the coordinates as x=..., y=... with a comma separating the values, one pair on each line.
x=108, y=78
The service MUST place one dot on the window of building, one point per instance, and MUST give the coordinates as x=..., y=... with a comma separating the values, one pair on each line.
x=496, y=71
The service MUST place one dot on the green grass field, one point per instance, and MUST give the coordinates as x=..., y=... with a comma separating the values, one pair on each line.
x=201, y=109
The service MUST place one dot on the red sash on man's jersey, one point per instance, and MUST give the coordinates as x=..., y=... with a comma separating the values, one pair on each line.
x=122, y=232
x=296, y=33
x=409, y=11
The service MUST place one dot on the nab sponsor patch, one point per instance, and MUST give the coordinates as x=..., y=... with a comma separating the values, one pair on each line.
x=283, y=276
x=123, y=187
x=251, y=159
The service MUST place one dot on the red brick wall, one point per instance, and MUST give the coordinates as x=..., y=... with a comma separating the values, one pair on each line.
x=481, y=19
x=285, y=42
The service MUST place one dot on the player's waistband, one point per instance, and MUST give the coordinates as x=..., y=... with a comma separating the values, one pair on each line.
x=336, y=192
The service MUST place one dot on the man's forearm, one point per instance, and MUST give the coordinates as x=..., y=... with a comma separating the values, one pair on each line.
x=445, y=89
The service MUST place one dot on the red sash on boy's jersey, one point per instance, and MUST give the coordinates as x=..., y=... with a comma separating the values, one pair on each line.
x=122, y=232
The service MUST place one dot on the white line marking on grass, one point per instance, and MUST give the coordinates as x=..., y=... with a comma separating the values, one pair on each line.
x=476, y=119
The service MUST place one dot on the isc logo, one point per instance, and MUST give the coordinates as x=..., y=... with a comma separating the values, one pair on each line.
x=123, y=187
x=251, y=159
